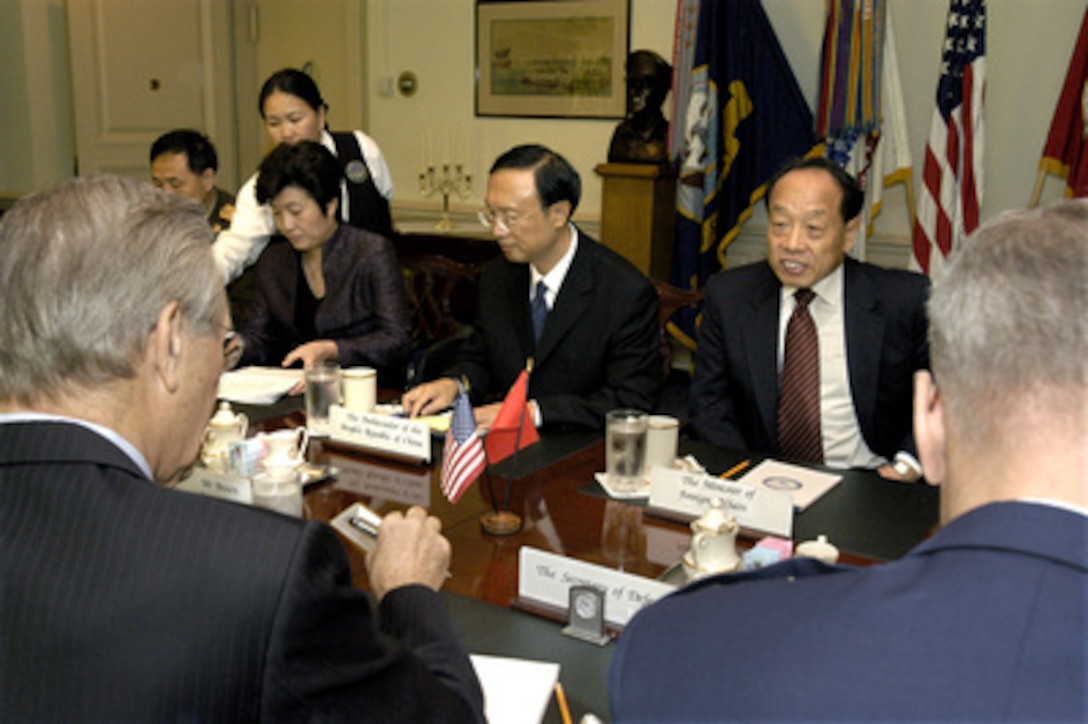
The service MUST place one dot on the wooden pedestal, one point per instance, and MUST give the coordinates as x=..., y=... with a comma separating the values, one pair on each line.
x=638, y=214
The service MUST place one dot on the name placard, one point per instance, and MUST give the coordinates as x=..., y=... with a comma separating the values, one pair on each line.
x=758, y=509
x=396, y=436
x=547, y=578
x=410, y=487
x=218, y=485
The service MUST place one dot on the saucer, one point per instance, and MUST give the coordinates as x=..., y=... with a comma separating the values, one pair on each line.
x=643, y=490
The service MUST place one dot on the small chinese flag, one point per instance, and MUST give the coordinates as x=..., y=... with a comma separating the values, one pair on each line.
x=513, y=428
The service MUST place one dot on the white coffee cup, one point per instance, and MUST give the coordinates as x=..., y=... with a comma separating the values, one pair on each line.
x=360, y=385
x=662, y=439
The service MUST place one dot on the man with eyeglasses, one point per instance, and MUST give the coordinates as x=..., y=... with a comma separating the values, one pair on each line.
x=584, y=315
x=124, y=600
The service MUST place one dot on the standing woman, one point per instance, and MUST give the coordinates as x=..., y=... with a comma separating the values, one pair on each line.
x=333, y=291
x=293, y=111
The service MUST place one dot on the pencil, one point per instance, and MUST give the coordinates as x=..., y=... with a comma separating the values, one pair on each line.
x=562, y=699
x=735, y=469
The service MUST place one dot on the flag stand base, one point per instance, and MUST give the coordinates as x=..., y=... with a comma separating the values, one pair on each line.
x=502, y=522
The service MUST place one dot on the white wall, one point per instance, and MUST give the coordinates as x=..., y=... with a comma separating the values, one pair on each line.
x=35, y=95
x=436, y=41
x=1029, y=48
x=1030, y=44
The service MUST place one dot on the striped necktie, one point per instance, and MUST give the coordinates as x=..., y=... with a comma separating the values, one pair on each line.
x=799, y=436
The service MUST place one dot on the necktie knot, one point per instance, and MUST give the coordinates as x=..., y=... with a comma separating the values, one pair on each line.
x=804, y=297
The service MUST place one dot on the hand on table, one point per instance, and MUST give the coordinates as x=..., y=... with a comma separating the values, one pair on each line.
x=311, y=355
x=430, y=398
x=485, y=415
x=410, y=550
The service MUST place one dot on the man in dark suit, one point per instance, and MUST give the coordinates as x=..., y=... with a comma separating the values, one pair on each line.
x=597, y=348
x=870, y=326
x=985, y=621
x=125, y=600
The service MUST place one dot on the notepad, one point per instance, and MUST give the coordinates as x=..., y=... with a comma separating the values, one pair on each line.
x=257, y=385
x=516, y=691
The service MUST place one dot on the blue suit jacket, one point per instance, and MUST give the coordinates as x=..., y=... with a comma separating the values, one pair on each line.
x=122, y=600
x=985, y=620
x=734, y=393
x=599, y=349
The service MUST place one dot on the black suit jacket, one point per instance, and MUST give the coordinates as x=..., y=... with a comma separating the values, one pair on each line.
x=365, y=309
x=734, y=393
x=985, y=621
x=599, y=348
x=124, y=600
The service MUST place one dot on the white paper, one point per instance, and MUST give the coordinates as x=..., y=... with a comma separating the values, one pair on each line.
x=805, y=486
x=516, y=691
x=257, y=385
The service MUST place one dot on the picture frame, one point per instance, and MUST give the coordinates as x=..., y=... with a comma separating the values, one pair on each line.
x=552, y=58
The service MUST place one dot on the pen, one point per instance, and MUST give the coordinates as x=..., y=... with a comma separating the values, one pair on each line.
x=561, y=697
x=735, y=469
x=366, y=520
x=363, y=526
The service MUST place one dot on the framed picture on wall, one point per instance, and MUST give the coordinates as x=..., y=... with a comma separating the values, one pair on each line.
x=552, y=58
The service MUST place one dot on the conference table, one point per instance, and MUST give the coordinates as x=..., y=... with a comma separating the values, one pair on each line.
x=564, y=511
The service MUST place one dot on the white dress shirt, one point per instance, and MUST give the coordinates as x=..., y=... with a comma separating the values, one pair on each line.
x=843, y=444
x=553, y=280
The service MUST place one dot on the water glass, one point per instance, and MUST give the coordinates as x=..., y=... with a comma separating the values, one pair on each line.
x=280, y=491
x=625, y=449
x=322, y=391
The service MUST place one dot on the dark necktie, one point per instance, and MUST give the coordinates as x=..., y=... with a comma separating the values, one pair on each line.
x=799, y=436
x=539, y=310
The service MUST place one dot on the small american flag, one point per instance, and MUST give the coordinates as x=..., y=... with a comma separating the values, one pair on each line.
x=948, y=205
x=463, y=455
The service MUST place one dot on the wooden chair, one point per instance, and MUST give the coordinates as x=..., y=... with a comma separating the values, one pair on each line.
x=442, y=304
x=671, y=300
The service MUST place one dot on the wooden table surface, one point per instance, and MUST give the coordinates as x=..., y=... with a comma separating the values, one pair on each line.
x=563, y=511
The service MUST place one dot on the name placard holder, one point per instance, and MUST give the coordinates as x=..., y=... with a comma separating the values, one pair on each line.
x=548, y=578
x=689, y=494
x=218, y=485
x=395, y=437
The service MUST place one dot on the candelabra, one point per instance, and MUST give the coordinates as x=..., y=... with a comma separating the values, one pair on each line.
x=452, y=180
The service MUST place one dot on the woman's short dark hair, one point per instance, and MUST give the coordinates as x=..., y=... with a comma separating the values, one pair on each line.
x=307, y=165
x=853, y=198
x=293, y=82
x=556, y=180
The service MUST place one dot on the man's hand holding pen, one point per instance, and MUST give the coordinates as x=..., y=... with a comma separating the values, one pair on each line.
x=410, y=550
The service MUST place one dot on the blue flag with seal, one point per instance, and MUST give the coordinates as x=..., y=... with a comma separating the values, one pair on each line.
x=745, y=117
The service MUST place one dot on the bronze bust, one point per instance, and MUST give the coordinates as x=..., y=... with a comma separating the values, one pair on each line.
x=643, y=136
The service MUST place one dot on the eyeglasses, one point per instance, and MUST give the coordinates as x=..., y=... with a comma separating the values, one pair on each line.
x=505, y=220
x=232, y=349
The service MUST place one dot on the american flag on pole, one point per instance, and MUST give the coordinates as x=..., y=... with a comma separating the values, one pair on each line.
x=463, y=455
x=952, y=179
